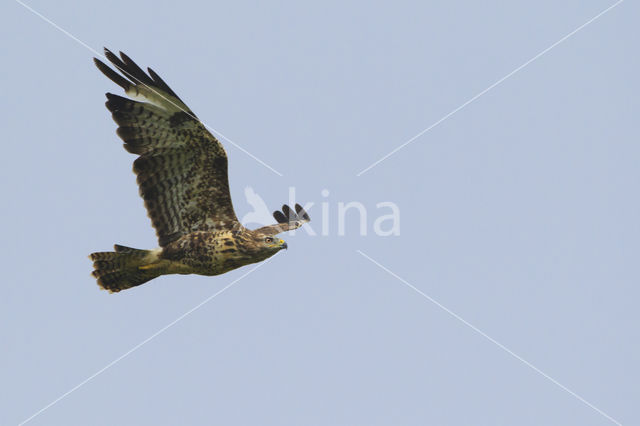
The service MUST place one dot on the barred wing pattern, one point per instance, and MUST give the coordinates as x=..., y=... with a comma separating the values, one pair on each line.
x=182, y=168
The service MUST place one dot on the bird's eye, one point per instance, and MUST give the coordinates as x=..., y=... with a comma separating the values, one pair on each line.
x=269, y=240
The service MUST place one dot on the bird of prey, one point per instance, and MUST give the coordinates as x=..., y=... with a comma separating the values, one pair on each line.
x=182, y=176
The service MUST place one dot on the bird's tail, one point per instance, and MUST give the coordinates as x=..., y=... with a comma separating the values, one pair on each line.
x=125, y=268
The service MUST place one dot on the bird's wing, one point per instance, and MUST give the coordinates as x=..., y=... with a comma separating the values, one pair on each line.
x=181, y=168
x=287, y=219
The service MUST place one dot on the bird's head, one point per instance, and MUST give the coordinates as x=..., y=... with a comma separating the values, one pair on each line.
x=258, y=245
x=270, y=242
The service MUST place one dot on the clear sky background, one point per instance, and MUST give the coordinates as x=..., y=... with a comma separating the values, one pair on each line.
x=519, y=213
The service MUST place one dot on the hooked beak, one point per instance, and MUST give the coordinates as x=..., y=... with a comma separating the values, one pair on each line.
x=283, y=244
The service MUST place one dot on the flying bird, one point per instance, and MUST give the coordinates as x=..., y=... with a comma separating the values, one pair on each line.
x=182, y=176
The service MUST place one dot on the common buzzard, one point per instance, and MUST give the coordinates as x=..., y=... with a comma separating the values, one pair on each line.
x=182, y=176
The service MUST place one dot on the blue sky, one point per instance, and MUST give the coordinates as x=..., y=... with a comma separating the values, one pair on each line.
x=519, y=216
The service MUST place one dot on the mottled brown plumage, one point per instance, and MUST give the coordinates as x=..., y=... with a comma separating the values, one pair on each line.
x=182, y=176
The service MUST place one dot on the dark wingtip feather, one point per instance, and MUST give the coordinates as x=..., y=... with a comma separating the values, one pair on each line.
x=160, y=83
x=279, y=217
x=133, y=72
x=302, y=213
x=126, y=66
x=112, y=75
x=137, y=72
x=288, y=215
x=113, y=59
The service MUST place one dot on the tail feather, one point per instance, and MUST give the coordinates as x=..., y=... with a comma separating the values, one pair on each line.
x=125, y=268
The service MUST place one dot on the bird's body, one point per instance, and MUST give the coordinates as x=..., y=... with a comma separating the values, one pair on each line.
x=213, y=253
x=182, y=177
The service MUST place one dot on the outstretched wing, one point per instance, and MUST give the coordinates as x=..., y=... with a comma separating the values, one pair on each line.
x=181, y=168
x=287, y=219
